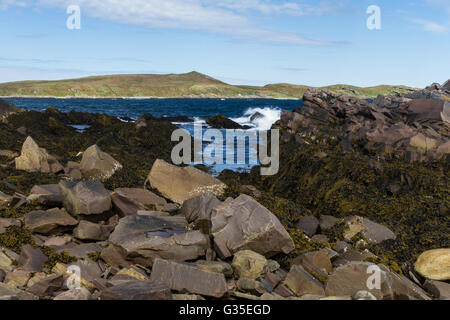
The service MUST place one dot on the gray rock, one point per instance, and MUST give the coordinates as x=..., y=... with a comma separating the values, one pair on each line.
x=308, y=225
x=85, y=197
x=97, y=164
x=198, y=210
x=187, y=277
x=364, y=295
x=440, y=290
x=127, y=206
x=137, y=290
x=47, y=286
x=74, y=294
x=243, y=223
x=47, y=221
x=35, y=159
x=12, y=293
x=31, y=259
x=327, y=222
x=91, y=231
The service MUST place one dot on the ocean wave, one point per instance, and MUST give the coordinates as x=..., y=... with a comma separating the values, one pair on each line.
x=263, y=118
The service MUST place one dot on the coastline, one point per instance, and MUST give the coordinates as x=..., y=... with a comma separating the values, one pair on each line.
x=152, y=98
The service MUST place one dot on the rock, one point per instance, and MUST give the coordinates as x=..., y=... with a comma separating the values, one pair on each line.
x=85, y=197
x=301, y=282
x=401, y=288
x=185, y=297
x=126, y=206
x=91, y=231
x=364, y=295
x=243, y=223
x=422, y=143
x=4, y=199
x=249, y=264
x=180, y=184
x=434, y=264
x=6, y=263
x=198, y=210
x=440, y=290
x=80, y=250
x=186, y=277
x=47, y=195
x=144, y=197
x=251, y=191
x=425, y=109
x=215, y=266
x=137, y=290
x=146, y=237
x=327, y=222
x=308, y=225
x=251, y=286
x=34, y=159
x=7, y=108
x=2, y=275
x=14, y=293
x=97, y=164
x=8, y=222
x=114, y=256
x=8, y=154
x=31, y=259
x=317, y=263
x=17, y=278
x=372, y=231
x=47, y=221
x=74, y=294
x=57, y=241
x=47, y=286
x=221, y=122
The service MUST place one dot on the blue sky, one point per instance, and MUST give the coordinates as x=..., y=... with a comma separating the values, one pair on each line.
x=238, y=41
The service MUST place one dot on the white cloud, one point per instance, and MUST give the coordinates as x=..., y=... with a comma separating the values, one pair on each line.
x=431, y=26
x=216, y=16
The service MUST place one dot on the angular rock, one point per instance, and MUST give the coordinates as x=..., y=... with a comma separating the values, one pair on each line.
x=97, y=164
x=126, y=205
x=4, y=199
x=185, y=277
x=145, y=237
x=327, y=222
x=16, y=294
x=31, y=259
x=6, y=263
x=35, y=159
x=48, y=195
x=243, y=223
x=440, y=290
x=308, y=225
x=115, y=256
x=8, y=222
x=434, y=264
x=215, y=266
x=81, y=250
x=144, y=197
x=180, y=184
x=364, y=295
x=85, y=197
x=249, y=264
x=137, y=290
x=48, y=221
x=47, y=286
x=372, y=231
x=301, y=282
x=198, y=210
x=91, y=231
x=17, y=278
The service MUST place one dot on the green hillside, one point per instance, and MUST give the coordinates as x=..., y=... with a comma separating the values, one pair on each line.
x=191, y=84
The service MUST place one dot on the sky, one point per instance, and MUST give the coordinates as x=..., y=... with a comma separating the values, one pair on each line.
x=252, y=42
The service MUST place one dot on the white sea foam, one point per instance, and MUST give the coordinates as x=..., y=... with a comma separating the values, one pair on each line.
x=264, y=122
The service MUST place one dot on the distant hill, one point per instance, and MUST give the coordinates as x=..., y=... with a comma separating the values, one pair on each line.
x=189, y=85
x=7, y=108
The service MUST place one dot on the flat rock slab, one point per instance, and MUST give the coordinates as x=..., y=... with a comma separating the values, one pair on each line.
x=243, y=223
x=143, y=196
x=14, y=293
x=48, y=221
x=91, y=231
x=85, y=197
x=434, y=264
x=301, y=282
x=137, y=290
x=147, y=237
x=31, y=259
x=179, y=184
x=185, y=277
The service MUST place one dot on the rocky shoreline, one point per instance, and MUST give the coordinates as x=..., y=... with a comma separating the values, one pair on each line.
x=363, y=190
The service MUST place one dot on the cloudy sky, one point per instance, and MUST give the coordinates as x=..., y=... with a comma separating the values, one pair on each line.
x=238, y=41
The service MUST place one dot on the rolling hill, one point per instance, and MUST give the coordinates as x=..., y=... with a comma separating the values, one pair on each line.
x=189, y=85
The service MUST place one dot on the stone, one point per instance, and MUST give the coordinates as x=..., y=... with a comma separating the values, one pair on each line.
x=146, y=237
x=47, y=286
x=249, y=264
x=251, y=286
x=47, y=221
x=4, y=199
x=91, y=231
x=434, y=264
x=308, y=225
x=126, y=205
x=243, y=223
x=144, y=197
x=373, y=232
x=35, y=159
x=31, y=259
x=114, y=256
x=8, y=154
x=179, y=184
x=47, y=195
x=198, y=210
x=327, y=222
x=315, y=262
x=422, y=143
x=85, y=197
x=184, y=277
x=6, y=263
x=96, y=164
x=14, y=293
x=364, y=295
x=80, y=251
x=74, y=294
x=215, y=266
x=17, y=278
x=57, y=241
x=137, y=290
x=8, y=222
x=301, y=282
x=251, y=191
x=440, y=290
x=2, y=275
x=221, y=122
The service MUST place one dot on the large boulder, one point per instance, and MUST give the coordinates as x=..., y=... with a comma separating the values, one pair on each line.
x=35, y=159
x=434, y=264
x=426, y=109
x=144, y=238
x=85, y=197
x=188, y=277
x=48, y=195
x=47, y=221
x=243, y=223
x=179, y=184
x=97, y=164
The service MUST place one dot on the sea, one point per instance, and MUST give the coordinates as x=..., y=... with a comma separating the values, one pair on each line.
x=238, y=110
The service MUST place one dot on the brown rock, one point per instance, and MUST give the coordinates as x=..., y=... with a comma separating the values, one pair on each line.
x=243, y=223
x=48, y=221
x=91, y=231
x=35, y=159
x=180, y=184
x=47, y=286
x=440, y=290
x=249, y=264
x=97, y=164
x=186, y=277
x=126, y=205
x=137, y=290
x=434, y=264
x=308, y=225
x=31, y=259
x=301, y=282
x=198, y=210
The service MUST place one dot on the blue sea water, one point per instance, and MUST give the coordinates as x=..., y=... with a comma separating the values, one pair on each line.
x=239, y=110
